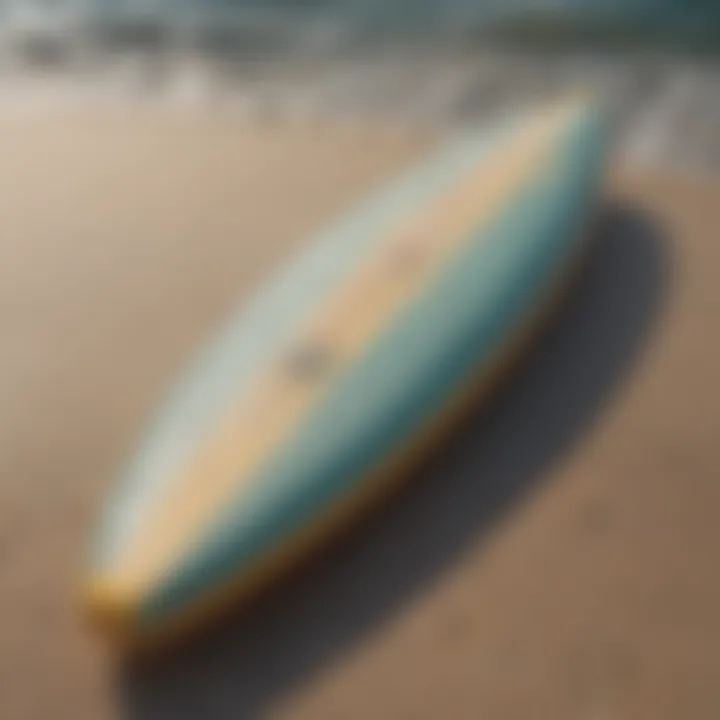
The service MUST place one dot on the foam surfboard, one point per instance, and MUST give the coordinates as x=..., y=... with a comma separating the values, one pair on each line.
x=326, y=386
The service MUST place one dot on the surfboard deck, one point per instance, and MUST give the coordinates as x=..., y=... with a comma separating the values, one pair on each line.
x=334, y=380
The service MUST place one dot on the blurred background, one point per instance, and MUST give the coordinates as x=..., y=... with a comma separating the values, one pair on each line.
x=159, y=160
x=422, y=61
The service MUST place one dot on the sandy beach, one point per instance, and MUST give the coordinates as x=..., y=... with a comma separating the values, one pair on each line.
x=558, y=558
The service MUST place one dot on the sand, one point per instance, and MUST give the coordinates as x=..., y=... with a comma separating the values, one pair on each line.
x=557, y=560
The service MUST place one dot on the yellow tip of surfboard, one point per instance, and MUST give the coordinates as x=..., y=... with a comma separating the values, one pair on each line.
x=109, y=607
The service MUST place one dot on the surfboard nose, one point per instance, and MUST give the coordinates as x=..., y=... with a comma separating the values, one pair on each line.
x=582, y=111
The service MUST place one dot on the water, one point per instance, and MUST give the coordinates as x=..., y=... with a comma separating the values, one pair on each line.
x=285, y=23
x=401, y=61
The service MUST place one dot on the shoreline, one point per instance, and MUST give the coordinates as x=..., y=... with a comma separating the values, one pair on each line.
x=666, y=112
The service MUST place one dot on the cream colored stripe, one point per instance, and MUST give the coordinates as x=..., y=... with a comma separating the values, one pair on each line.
x=344, y=326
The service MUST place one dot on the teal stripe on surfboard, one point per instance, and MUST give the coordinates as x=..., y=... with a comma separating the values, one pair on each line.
x=219, y=376
x=455, y=326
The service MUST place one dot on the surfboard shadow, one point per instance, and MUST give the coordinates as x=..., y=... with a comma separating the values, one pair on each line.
x=240, y=667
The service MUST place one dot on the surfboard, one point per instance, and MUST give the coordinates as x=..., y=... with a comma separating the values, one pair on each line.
x=329, y=384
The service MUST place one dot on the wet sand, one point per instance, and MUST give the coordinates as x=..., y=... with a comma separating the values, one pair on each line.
x=556, y=560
